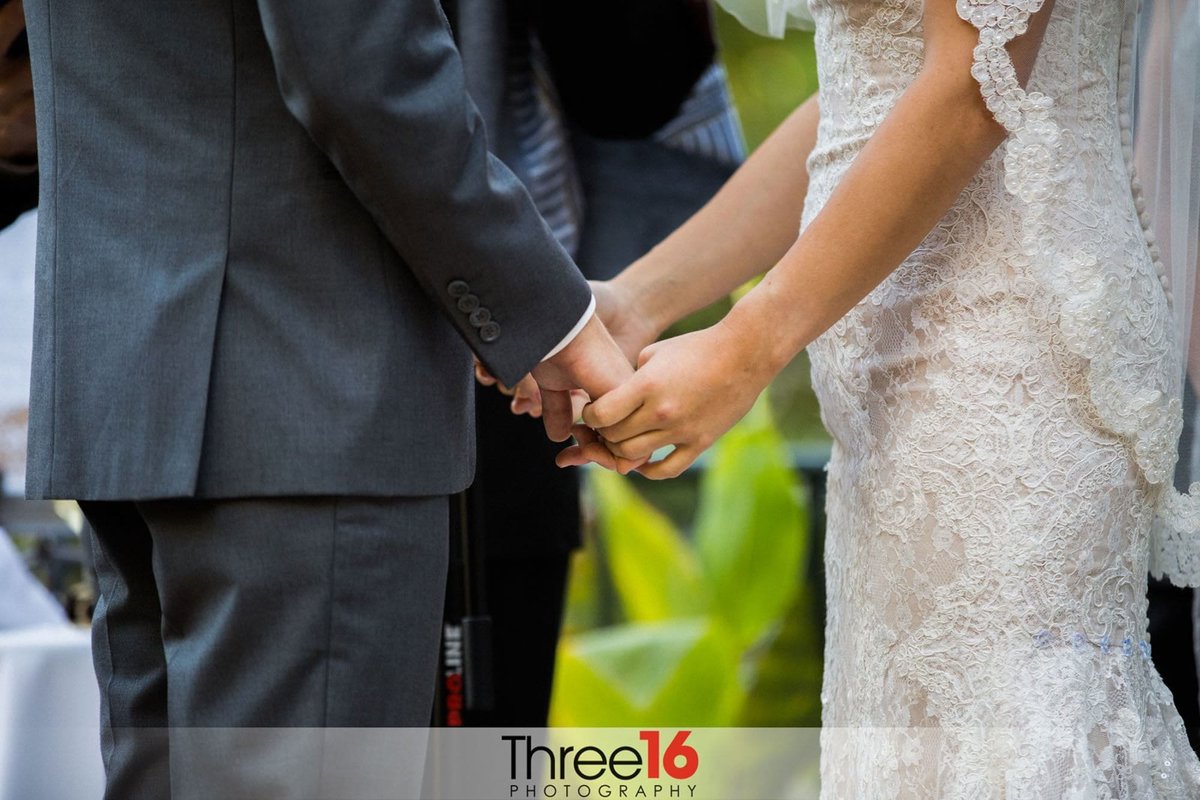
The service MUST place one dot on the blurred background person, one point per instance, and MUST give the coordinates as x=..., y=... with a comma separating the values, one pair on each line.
x=619, y=121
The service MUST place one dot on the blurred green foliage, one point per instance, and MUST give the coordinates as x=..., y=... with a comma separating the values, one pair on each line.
x=688, y=605
x=707, y=627
x=769, y=77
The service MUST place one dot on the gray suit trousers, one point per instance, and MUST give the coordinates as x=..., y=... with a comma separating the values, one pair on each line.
x=275, y=614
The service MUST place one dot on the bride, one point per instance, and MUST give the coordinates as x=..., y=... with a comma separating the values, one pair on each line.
x=994, y=340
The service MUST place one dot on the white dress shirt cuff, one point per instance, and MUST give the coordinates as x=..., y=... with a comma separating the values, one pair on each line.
x=570, y=337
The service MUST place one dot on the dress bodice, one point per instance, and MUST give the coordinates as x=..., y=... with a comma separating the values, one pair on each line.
x=1058, y=200
x=869, y=51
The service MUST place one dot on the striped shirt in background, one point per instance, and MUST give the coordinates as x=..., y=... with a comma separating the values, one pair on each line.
x=541, y=155
x=706, y=127
x=707, y=124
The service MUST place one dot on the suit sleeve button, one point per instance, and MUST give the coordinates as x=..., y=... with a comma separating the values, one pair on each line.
x=468, y=303
x=458, y=288
x=480, y=317
x=490, y=332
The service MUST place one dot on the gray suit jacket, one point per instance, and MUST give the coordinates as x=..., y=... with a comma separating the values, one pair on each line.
x=262, y=225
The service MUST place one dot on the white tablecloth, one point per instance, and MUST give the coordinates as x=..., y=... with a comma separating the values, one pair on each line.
x=49, y=716
x=24, y=603
x=16, y=345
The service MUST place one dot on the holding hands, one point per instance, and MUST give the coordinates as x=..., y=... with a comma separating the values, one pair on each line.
x=690, y=390
x=591, y=365
x=630, y=331
x=686, y=393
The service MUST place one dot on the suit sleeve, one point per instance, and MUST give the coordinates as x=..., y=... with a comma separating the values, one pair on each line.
x=379, y=86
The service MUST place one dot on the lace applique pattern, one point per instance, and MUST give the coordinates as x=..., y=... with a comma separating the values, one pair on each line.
x=1001, y=407
x=1134, y=365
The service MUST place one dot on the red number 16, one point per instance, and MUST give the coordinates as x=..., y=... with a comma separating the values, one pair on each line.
x=678, y=750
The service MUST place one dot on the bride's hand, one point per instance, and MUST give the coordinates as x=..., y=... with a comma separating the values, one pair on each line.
x=687, y=392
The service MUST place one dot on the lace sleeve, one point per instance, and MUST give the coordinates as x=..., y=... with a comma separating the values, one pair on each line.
x=999, y=22
x=1026, y=115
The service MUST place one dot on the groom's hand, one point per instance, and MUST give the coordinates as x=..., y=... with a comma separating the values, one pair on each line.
x=591, y=362
x=526, y=396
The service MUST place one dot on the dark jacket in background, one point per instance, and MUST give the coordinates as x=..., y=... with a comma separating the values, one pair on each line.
x=18, y=194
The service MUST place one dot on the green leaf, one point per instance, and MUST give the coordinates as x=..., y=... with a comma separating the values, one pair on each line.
x=655, y=572
x=769, y=78
x=751, y=526
x=584, y=607
x=786, y=688
x=679, y=673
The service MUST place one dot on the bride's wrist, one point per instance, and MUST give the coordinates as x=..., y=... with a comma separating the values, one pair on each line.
x=661, y=289
x=760, y=340
x=646, y=301
x=747, y=350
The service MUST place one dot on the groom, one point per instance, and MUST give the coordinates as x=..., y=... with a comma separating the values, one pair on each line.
x=268, y=229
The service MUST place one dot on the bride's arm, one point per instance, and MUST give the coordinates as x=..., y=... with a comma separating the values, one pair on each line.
x=739, y=234
x=902, y=183
x=692, y=389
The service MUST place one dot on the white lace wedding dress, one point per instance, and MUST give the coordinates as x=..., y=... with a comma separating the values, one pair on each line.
x=1005, y=413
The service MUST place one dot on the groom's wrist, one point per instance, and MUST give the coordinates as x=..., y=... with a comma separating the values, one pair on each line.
x=574, y=332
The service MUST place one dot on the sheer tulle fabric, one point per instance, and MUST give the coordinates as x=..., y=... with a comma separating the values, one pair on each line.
x=1166, y=119
x=770, y=17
